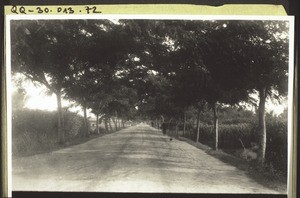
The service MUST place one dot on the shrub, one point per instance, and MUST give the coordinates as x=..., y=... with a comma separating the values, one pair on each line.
x=35, y=131
x=276, y=150
x=73, y=125
x=229, y=135
x=31, y=129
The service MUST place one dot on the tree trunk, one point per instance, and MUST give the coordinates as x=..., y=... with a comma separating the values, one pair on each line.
x=169, y=128
x=162, y=120
x=97, y=123
x=198, y=125
x=176, y=129
x=115, y=123
x=101, y=119
x=262, y=127
x=123, y=123
x=60, y=123
x=106, y=124
x=86, y=127
x=120, y=122
x=216, y=127
x=109, y=123
x=189, y=128
x=184, y=124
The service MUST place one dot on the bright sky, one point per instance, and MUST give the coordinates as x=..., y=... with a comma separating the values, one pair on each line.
x=38, y=99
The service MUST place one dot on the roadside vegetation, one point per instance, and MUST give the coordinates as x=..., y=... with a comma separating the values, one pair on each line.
x=32, y=131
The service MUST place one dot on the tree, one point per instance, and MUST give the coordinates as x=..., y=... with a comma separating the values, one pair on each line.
x=121, y=104
x=98, y=103
x=39, y=53
x=202, y=65
x=254, y=58
x=267, y=60
x=55, y=52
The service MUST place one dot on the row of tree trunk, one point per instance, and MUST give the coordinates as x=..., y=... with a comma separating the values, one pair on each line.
x=261, y=125
x=118, y=123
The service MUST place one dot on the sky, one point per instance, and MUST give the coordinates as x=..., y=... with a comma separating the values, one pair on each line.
x=38, y=99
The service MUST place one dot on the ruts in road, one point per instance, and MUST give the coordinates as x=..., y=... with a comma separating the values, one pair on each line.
x=135, y=159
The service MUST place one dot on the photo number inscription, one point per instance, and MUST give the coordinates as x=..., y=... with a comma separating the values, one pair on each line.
x=54, y=10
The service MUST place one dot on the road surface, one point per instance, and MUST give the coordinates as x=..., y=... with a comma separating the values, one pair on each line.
x=136, y=159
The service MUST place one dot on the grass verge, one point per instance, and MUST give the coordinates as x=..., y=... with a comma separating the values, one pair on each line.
x=56, y=146
x=260, y=174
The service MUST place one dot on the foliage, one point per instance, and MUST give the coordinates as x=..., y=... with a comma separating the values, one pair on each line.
x=276, y=151
x=32, y=130
x=229, y=135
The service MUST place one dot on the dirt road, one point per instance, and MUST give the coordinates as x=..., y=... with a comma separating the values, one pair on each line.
x=136, y=159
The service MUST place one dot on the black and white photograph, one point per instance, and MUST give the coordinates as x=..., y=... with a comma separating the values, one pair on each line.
x=150, y=104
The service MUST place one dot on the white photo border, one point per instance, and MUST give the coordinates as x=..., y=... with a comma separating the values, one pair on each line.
x=290, y=19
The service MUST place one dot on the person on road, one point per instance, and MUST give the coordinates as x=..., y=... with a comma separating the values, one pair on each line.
x=164, y=128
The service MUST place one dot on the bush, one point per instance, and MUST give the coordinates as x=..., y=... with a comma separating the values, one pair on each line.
x=36, y=131
x=276, y=150
x=73, y=125
x=229, y=135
